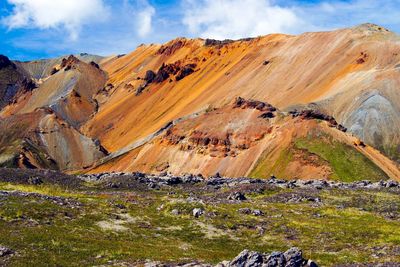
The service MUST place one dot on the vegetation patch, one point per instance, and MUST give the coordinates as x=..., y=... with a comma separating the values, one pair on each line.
x=347, y=163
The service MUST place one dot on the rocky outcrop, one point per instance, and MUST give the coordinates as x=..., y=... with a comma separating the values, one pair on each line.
x=150, y=76
x=253, y=104
x=213, y=42
x=185, y=71
x=291, y=258
x=28, y=84
x=171, y=47
x=94, y=64
x=363, y=58
x=6, y=62
x=69, y=63
x=203, y=143
x=165, y=72
x=165, y=179
x=314, y=114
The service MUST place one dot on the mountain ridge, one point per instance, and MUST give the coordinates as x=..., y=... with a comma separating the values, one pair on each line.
x=349, y=74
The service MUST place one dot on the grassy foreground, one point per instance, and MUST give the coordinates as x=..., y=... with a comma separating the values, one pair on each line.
x=49, y=225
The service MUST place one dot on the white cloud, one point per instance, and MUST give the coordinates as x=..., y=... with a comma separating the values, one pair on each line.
x=235, y=19
x=334, y=14
x=145, y=18
x=45, y=14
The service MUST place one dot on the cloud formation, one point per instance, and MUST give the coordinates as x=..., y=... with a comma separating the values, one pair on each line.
x=235, y=19
x=145, y=19
x=46, y=14
x=46, y=27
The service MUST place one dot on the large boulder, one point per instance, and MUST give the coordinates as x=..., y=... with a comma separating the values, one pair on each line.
x=291, y=258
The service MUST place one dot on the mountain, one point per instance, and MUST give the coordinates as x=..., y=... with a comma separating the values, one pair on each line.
x=39, y=128
x=317, y=105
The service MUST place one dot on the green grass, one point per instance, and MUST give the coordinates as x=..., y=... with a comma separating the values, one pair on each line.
x=347, y=163
x=346, y=228
x=265, y=168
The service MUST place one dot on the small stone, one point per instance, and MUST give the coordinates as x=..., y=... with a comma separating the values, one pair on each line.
x=237, y=196
x=257, y=213
x=244, y=210
x=294, y=257
x=5, y=251
x=35, y=181
x=175, y=212
x=311, y=263
x=197, y=212
x=223, y=264
x=120, y=206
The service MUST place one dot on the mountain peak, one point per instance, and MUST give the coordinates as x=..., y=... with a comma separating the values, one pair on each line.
x=372, y=28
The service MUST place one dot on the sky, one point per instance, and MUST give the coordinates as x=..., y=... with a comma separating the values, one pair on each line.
x=35, y=29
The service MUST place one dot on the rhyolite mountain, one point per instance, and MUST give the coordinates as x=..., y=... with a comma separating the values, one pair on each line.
x=316, y=105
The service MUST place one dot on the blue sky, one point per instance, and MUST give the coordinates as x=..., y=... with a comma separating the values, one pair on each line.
x=33, y=29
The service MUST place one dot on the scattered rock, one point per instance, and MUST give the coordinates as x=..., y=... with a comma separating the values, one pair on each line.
x=257, y=213
x=212, y=42
x=27, y=85
x=165, y=71
x=197, y=212
x=309, y=114
x=35, y=181
x=175, y=212
x=54, y=71
x=4, y=251
x=94, y=64
x=245, y=211
x=237, y=196
x=363, y=58
x=291, y=258
x=276, y=259
x=185, y=71
x=150, y=76
x=267, y=115
x=294, y=257
x=359, y=143
x=217, y=181
x=69, y=63
x=140, y=89
x=171, y=47
x=253, y=104
x=247, y=258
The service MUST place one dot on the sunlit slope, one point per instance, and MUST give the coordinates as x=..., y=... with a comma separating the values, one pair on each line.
x=42, y=140
x=39, y=128
x=349, y=73
x=69, y=91
x=41, y=69
x=252, y=138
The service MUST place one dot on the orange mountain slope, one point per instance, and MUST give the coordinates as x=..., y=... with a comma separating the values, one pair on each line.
x=350, y=74
x=252, y=138
x=138, y=106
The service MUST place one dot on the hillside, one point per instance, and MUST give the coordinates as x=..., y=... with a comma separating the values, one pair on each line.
x=171, y=107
